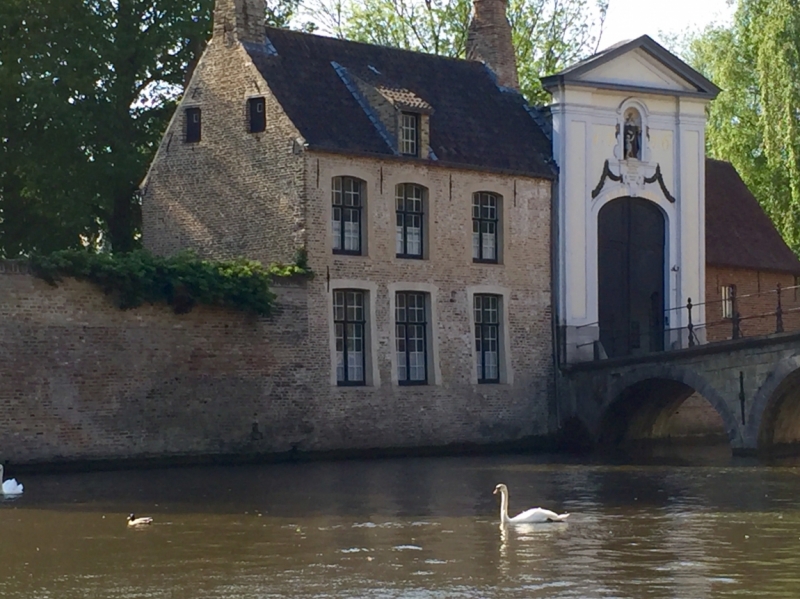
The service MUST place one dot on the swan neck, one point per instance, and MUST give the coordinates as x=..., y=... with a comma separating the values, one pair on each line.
x=503, y=505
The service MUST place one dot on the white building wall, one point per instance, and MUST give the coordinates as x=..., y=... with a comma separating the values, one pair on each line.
x=586, y=122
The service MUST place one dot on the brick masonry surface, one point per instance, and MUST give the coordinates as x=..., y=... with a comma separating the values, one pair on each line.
x=233, y=193
x=757, y=301
x=83, y=380
x=264, y=196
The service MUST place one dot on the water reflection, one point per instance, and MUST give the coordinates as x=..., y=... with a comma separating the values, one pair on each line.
x=407, y=528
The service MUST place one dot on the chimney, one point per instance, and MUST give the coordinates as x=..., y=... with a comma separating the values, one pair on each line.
x=489, y=40
x=240, y=20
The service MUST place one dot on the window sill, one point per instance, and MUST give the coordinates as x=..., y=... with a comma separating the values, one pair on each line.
x=409, y=257
x=481, y=261
x=412, y=383
x=347, y=253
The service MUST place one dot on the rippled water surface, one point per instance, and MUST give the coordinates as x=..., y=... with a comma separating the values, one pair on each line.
x=407, y=528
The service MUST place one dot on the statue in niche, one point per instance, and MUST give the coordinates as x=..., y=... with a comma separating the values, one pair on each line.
x=632, y=135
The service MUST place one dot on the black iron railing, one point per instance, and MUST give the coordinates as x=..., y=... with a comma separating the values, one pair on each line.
x=756, y=314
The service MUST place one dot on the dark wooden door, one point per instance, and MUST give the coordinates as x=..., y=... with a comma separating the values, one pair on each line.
x=631, y=273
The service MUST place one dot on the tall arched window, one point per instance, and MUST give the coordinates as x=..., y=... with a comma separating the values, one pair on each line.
x=410, y=200
x=485, y=226
x=347, y=198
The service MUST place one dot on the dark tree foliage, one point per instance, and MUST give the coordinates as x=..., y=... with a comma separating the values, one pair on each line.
x=87, y=88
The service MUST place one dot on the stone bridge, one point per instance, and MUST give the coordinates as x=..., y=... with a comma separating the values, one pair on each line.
x=752, y=383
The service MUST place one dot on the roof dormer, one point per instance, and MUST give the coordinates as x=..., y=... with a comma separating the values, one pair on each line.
x=403, y=116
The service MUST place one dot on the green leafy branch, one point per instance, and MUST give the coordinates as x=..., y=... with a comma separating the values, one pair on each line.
x=181, y=281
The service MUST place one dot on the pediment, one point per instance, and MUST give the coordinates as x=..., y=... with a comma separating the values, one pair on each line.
x=637, y=65
x=637, y=68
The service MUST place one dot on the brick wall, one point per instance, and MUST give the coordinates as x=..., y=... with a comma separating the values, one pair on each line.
x=757, y=301
x=81, y=379
x=491, y=412
x=233, y=193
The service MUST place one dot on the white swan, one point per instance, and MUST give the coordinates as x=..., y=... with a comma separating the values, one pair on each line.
x=143, y=521
x=536, y=514
x=10, y=486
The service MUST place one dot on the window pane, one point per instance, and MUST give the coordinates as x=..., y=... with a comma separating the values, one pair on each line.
x=399, y=245
x=413, y=235
x=338, y=305
x=337, y=228
x=352, y=192
x=340, y=352
x=400, y=307
x=336, y=192
x=352, y=229
x=402, y=370
x=489, y=241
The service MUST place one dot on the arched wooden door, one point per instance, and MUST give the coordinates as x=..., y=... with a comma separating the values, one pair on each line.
x=631, y=235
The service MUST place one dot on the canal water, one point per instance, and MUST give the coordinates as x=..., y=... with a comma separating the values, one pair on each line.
x=706, y=526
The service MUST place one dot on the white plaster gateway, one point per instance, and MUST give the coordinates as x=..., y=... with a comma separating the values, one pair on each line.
x=628, y=137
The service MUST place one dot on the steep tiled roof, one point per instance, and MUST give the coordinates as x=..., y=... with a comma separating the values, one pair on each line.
x=738, y=231
x=473, y=123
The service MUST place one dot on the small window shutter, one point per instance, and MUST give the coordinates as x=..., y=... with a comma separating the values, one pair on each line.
x=258, y=117
x=192, y=125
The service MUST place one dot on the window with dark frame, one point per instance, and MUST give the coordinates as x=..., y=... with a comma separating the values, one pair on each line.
x=484, y=226
x=409, y=134
x=347, y=214
x=409, y=203
x=487, y=337
x=349, y=324
x=192, y=125
x=411, y=338
x=256, y=107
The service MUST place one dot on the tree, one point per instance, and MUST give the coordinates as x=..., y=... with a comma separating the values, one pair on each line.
x=87, y=88
x=548, y=34
x=754, y=121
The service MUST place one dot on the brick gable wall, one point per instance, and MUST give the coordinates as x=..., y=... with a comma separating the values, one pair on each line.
x=234, y=193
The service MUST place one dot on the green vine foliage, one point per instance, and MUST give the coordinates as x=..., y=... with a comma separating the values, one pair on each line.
x=181, y=281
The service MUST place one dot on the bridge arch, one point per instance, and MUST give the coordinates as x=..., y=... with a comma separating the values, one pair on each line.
x=774, y=415
x=639, y=403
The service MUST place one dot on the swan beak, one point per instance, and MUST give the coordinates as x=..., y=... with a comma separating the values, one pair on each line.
x=495, y=491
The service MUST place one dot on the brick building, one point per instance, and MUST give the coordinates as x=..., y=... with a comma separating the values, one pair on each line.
x=447, y=245
x=418, y=186
x=746, y=259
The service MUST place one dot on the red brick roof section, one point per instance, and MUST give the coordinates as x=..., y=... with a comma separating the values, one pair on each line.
x=473, y=123
x=739, y=233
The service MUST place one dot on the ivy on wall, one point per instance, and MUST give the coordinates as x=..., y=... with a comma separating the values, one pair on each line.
x=181, y=281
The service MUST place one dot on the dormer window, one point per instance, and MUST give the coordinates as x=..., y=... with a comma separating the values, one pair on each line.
x=192, y=125
x=258, y=117
x=409, y=134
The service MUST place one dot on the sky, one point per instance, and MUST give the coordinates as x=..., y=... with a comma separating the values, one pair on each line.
x=628, y=19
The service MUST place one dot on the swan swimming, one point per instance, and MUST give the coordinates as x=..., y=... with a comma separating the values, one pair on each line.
x=143, y=521
x=10, y=486
x=536, y=514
